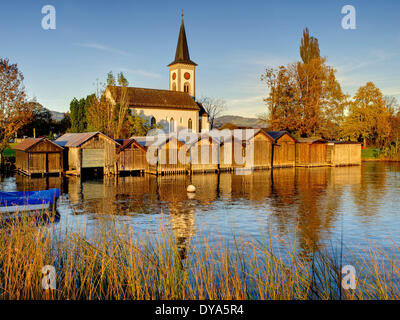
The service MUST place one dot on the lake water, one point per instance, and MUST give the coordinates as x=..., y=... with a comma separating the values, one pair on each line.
x=358, y=204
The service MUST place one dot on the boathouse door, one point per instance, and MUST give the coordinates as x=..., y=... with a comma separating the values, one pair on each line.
x=92, y=158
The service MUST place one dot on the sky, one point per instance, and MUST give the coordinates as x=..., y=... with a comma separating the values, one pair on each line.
x=231, y=41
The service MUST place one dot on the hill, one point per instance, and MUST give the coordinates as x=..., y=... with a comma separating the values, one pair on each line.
x=238, y=121
x=55, y=115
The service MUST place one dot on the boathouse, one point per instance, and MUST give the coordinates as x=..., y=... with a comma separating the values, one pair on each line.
x=284, y=149
x=260, y=144
x=204, y=154
x=343, y=153
x=131, y=156
x=38, y=156
x=88, y=151
x=231, y=153
x=311, y=152
x=165, y=154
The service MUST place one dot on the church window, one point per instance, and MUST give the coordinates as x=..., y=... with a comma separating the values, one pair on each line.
x=174, y=86
x=190, y=124
x=153, y=121
x=186, y=87
x=171, y=125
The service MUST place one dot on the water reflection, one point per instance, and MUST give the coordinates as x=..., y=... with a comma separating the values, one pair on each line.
x=310, y=205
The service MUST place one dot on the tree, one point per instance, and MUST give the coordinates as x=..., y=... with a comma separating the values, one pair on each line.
x=282, y=101
x=391, y=103
x=78, y=113
x=304, y=97
x=214, y=108
x=110, y=79
x=113, y=119
x=100, y=115
x=41, y=121
x=15, y=112
x=309, y=48
x=368, y=117
x=122, y=81
x=139, y=126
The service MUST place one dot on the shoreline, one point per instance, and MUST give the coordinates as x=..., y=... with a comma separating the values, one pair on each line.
x=379, y=160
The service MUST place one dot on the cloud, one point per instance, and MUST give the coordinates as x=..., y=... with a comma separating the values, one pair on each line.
x=143, y=73
x=247, y=106
x=101, y=47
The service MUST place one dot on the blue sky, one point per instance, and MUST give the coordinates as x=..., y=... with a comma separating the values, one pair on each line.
x=232, y=42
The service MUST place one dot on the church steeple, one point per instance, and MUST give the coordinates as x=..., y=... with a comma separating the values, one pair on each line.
x=182, y=74
x=182, y=50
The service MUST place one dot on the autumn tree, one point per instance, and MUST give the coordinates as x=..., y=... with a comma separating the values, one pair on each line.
x=304, y=97
x=369, y=117
x=282, y=101
x=100, y=114
x=214, y=108
x=309, y=47
x=15, y=112
x=40, y=123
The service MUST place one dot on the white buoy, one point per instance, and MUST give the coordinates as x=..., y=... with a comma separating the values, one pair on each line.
x=191, y=188
x=191, y=195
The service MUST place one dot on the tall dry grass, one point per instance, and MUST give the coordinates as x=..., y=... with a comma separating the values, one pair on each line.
x=117, y=264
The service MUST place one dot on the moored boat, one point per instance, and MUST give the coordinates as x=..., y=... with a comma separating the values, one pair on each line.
x=28, y=202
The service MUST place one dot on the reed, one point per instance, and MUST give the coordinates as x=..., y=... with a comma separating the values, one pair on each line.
x=115, y=263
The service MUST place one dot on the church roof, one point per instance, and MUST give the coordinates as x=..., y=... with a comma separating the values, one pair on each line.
x=155, y=98
x=182, y=50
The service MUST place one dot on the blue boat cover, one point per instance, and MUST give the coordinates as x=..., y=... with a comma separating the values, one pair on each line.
x=28, y=197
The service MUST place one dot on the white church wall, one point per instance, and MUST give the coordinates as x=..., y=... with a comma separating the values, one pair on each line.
x=164, y=116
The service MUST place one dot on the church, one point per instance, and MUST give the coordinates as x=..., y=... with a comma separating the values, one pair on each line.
x=174, y=109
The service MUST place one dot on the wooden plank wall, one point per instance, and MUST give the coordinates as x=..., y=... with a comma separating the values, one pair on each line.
x=169, y=160
x=132, y=159
x=43, y=158
x=204, y=156
x=262, y=148
x=96, y=142
x=311, y=154
x=345, y=154
x=227, y=152
x=284, y=152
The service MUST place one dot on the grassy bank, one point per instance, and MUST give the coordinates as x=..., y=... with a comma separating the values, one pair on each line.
x=116, y=264
x=376, y=154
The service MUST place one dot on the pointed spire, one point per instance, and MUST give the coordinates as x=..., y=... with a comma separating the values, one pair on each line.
x=182, y=50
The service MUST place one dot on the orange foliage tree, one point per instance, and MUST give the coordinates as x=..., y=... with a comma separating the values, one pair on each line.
x=15, y=112
x=305, y=99
x=369, y=118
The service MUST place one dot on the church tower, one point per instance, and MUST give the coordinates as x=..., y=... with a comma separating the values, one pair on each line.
x=182, y=71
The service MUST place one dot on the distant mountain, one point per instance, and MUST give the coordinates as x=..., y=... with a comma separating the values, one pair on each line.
x=55, y=115
x=239, y=121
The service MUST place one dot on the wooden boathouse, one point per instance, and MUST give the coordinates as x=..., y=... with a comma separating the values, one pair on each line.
x=165, y=154
x=343, y=153
x=89, y=150
x=260, y=144
x=284, y=149
x=131, y=156
x=38, y=156
x=228, y=148
x=311, y=152
x=204, y=154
